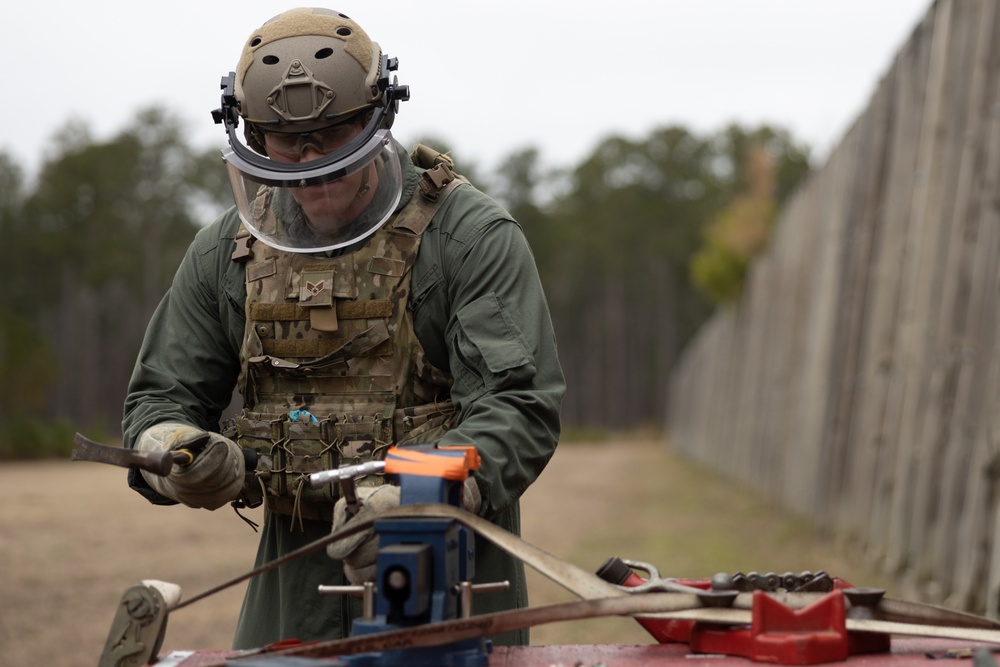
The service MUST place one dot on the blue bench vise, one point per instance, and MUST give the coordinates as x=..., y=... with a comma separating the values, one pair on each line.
x=424, y=566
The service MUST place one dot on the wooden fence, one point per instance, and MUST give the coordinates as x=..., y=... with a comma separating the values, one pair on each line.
x=858, y=379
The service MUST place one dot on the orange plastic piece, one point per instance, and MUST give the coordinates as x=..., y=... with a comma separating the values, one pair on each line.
x=404, y=461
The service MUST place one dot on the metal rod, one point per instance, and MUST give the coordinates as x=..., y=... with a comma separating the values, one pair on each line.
x=324, y=477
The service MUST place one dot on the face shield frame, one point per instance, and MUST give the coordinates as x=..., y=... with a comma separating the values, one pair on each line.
x=274, y=213
x=356, y=153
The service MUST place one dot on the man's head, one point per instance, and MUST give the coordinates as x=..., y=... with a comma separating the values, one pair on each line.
x=317, y=103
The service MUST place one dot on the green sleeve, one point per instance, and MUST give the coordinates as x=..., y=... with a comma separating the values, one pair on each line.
x=189, y=360
x=481, y=314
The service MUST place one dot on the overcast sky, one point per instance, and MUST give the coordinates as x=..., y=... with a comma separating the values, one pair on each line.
x=489, y=76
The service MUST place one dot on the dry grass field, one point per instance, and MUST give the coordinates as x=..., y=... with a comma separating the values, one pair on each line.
x=73, y=537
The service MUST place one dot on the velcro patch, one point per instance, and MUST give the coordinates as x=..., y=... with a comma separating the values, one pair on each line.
x=261, y=269
x=316, y=288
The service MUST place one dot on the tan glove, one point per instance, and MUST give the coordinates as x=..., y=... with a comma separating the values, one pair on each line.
x=359, y=551
x=214, y=478
x=472, y=499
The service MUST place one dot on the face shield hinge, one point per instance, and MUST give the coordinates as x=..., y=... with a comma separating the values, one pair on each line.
x=394, y=92
x=229, y=112
x=399, y=93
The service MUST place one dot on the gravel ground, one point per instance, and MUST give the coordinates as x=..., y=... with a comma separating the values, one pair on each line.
x=74, y=537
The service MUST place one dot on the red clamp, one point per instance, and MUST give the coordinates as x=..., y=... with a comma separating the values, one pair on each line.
x=779, y=634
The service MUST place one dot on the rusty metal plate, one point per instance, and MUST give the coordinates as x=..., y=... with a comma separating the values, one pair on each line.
x=906, y=652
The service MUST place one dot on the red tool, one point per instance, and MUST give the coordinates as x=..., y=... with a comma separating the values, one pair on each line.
x=777, y=633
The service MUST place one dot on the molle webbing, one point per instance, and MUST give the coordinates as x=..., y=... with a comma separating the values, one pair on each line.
x=332, y=371
x=346, y=310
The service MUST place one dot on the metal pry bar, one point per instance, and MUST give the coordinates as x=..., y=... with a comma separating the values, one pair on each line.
x=158, y=463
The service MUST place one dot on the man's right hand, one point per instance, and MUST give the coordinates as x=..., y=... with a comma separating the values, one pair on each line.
x=213, y=479
x=359, y=551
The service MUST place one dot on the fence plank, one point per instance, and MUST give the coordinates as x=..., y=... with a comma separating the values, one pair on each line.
x=934, y=514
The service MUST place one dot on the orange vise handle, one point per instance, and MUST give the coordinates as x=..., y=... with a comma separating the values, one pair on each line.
x=451, y=463
x=430, y=473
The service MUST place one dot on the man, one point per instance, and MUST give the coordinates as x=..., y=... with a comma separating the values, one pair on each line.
x=357, y=301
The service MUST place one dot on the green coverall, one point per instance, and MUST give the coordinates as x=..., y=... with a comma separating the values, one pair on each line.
x=475, y=282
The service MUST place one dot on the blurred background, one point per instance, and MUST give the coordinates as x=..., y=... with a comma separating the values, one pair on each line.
x=616, y=136
x=768, y=232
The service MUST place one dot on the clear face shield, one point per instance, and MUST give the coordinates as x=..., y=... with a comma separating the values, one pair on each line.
x=315, y=191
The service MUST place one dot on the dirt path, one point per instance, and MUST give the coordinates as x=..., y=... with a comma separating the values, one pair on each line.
x=73, y=537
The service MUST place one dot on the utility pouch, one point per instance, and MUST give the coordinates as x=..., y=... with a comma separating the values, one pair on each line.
x=288, y=452
x=424, y=423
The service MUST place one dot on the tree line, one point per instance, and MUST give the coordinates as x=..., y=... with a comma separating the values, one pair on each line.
x=636, y=245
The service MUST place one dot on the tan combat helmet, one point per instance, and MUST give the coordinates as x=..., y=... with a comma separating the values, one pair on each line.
x=308, y=66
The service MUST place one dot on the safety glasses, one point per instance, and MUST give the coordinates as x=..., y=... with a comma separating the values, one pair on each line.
x=292, y=145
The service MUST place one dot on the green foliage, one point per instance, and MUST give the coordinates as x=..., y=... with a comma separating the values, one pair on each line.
x=634, y=245
x=26, y=365
x=89, y=250
x=616, y=238
x=28, y=426
x=110, y=210
x=740, y=231
x=32, y=437
x=718, y=272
